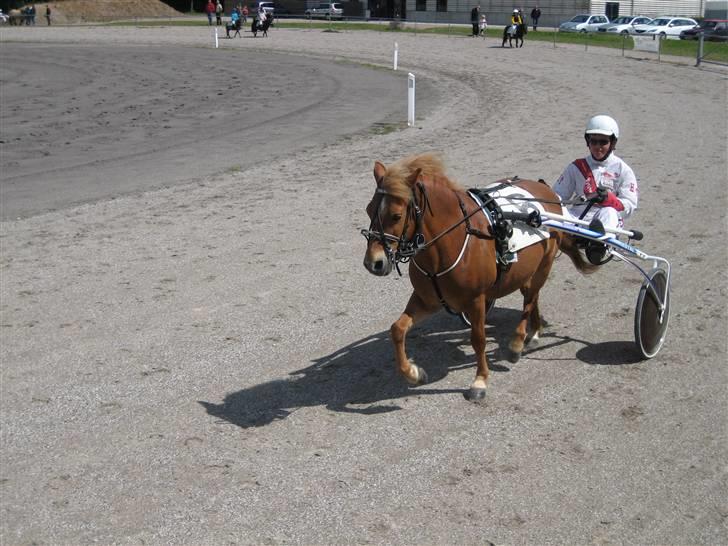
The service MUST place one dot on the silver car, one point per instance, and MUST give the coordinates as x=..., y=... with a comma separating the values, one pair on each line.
x=625, y=24
x=583, y=23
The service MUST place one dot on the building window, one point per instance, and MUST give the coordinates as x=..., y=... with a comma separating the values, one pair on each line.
x=441, y=5
x=421, y=5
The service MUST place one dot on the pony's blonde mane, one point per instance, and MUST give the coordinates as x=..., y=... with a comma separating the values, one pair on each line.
x=431, y=166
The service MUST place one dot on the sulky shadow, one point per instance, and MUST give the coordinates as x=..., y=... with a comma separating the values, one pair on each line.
x=361, y=377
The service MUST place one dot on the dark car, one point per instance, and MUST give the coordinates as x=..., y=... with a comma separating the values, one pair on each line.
x=712, y=29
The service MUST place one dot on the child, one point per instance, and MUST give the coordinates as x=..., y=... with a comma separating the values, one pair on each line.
x=483, y=25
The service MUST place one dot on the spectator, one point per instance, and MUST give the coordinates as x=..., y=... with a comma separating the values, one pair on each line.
x=209, y=9
x=535, y=14
x=483, y=25
x=218, y=13
x=475, y=19
x=244, y=13
x=48, y=14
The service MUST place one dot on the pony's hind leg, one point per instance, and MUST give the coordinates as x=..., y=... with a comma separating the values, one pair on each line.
x=518, y=341
x=415, y=311
x=531, y=315
x=536, y=324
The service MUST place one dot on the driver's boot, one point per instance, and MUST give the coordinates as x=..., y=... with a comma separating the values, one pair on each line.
x=596, y=251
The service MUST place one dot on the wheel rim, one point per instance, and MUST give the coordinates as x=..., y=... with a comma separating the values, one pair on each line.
x=650, y=332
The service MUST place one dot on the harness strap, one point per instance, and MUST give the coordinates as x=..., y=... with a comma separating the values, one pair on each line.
x=433, y=278
x=590, y=184
x=502, y=228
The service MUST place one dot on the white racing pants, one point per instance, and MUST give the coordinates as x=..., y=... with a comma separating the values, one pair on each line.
x=608, y=216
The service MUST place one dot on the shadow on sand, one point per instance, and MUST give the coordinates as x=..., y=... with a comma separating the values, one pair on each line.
x=360, y=377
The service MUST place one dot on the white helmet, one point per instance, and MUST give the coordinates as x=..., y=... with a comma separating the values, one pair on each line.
x=515, y=11
x=602, y=125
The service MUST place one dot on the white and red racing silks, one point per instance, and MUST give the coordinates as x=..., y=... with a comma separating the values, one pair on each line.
x=582, y=178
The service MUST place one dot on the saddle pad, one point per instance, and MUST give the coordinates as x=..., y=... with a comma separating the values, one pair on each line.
x=505, y=197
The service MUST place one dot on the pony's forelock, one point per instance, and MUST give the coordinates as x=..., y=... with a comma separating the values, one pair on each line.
x=430, y=165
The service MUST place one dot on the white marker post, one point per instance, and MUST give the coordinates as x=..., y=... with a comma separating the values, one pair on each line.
x=396, y=54
x=217, y=43
x=410, y=100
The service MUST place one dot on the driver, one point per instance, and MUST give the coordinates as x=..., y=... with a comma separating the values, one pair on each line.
x=516, y=18
x=602, y=177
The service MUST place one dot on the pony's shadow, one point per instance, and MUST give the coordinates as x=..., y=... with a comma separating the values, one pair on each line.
x=361, y=377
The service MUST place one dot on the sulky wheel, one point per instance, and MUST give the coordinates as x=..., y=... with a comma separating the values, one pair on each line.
x=650, y=325
x=489, y=304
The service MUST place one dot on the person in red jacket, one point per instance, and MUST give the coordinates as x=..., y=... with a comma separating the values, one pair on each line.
x=210, y=10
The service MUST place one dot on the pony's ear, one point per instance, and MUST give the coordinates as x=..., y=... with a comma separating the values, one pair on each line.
x=379, y=171
x=413, y=178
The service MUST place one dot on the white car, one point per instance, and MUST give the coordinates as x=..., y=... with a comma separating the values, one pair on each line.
x=625, y=24
x=583, y=23
x=666, y=27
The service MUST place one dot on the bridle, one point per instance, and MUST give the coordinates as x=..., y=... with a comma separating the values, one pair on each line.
x=406, y=248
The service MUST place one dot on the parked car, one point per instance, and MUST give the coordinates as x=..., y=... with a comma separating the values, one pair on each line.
x=326, y=10
x=625, y=24
x=583, y=23
x=712, y=29
x=667, y=27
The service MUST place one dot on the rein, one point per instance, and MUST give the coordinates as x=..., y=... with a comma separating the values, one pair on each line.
x=407, y=249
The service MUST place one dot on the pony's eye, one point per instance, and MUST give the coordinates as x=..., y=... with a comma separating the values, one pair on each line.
x=396, y=217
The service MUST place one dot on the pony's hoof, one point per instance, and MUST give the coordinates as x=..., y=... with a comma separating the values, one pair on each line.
x=475, y=395
x=420, y=376
x=513, y=356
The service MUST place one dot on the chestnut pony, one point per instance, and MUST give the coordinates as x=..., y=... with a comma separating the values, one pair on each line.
x=419, y=215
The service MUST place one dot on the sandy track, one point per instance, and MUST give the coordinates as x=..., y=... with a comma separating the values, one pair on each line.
x=209, y=362
x=77, y=128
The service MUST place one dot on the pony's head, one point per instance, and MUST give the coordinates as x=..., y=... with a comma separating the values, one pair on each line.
x=394, y=212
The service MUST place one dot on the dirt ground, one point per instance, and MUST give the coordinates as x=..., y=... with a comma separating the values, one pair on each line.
x=84, y=11
x=209, y=362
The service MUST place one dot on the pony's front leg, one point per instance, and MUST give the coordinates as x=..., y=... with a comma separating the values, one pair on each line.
x=476, y=315
x=415, y=311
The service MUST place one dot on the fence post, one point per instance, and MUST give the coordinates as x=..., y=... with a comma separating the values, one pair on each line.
x=659, y=47
x=410, y=100
x=700, y=49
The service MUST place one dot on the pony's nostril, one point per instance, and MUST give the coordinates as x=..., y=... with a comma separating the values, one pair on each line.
x=379, y=265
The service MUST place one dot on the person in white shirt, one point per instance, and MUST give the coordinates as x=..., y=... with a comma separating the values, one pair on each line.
x=601, y=177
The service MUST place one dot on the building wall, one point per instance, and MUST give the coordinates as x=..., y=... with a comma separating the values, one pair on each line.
x=553, y=12
x=716, y=9
x=654, y=8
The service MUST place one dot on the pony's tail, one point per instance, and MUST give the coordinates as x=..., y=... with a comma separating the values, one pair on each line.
x=567, y=245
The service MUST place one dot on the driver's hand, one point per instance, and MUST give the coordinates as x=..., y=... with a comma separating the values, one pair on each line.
x=601, y=195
